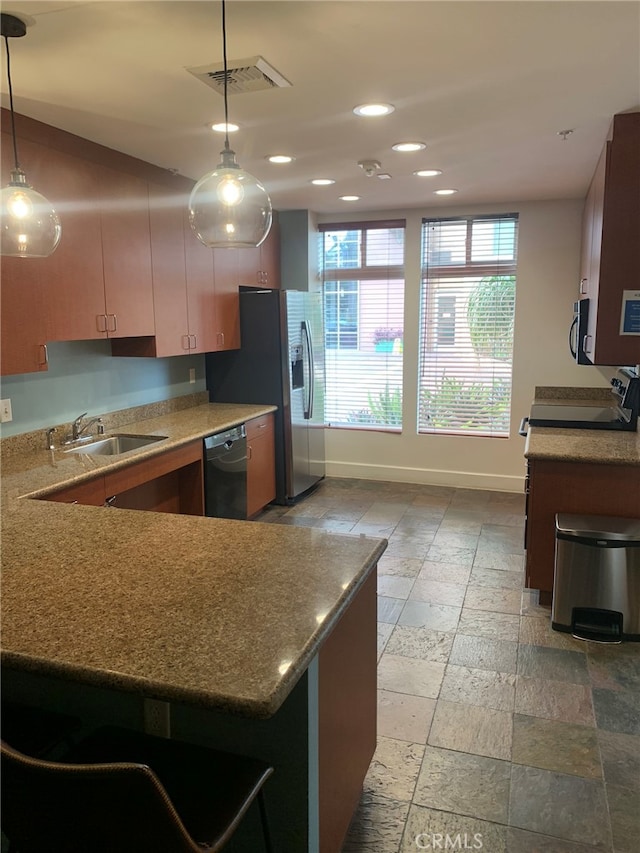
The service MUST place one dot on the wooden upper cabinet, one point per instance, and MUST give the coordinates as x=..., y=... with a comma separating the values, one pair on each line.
x=168, y=273
x=126, y=253
x=226, y=270
x=260, y=267
x=23, y=319
x=611, y=248
x=74, y=270
x=202, y=302
x=270, y=256
x=248, y=266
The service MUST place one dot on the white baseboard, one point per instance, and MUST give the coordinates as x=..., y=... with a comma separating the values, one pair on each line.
x=455, y=479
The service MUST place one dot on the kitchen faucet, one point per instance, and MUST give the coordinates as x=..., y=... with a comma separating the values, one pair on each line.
x=78, y=428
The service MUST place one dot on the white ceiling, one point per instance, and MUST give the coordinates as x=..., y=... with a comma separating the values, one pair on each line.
x=486, y=85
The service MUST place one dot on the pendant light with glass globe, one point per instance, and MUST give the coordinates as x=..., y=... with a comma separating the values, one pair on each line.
x=229, y=208
x=29, y=226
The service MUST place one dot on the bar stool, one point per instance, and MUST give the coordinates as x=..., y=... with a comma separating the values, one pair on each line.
x=131, y=792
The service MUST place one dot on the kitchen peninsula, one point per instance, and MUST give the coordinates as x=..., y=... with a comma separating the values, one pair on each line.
x=258, y=637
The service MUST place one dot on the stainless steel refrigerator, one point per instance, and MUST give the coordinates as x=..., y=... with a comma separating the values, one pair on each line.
x=281, y=362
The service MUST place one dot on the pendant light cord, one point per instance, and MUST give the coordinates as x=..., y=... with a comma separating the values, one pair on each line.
x=224, y=59
x=13, y=121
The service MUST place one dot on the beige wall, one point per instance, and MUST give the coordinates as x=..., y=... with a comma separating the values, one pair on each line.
x=547, y=286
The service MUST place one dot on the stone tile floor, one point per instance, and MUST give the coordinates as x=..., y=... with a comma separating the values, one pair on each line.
x=495, y=733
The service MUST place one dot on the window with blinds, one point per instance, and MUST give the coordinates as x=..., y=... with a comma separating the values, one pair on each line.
x=363, y=282
x=468, y=294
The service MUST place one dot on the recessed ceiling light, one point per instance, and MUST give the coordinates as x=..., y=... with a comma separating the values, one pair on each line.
x=322, y=182
x=349, y=198
x=384, y=176
x=409, y=146
x=428, y=173
x=373, y=109
x=444, y=192
x=280, y=158
x=221, y=127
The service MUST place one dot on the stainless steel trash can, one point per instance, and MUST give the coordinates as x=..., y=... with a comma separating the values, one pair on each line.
x=596, y=584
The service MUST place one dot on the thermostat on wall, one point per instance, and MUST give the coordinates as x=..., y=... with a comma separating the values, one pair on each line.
x=630, y=314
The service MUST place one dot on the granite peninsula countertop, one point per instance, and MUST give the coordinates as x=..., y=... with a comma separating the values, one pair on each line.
x=597, y=446
x=211, y=612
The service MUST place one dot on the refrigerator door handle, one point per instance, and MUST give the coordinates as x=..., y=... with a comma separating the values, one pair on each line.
x=309, y=350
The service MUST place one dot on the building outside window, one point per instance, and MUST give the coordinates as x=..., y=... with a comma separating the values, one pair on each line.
x=467, y=313
x=363, y=281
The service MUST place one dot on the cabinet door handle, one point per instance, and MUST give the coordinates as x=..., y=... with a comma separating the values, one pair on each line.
x=249, y=452
x=195, y=341
x=101, y=322
x=586, y=347
x=115, y=322
x=262, y=426
x=111, y=502
x=220, y=339
x=583, y=286
x=186, y=341
x=44, y=354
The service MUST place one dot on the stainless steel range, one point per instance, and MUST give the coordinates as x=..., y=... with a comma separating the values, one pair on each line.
x=620, y=413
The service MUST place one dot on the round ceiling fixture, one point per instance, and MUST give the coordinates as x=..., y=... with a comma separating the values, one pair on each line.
x=373, y=110
x=349, y=198
x=428, y=173
x=444, y=192
x=280, y=158
x=409, y=146
x=322, y=182
x=225, y=127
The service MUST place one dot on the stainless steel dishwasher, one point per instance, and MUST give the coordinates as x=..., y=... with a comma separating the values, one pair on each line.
x=225, y=474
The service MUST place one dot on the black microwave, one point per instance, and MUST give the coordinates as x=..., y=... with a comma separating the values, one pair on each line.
x=578, y=332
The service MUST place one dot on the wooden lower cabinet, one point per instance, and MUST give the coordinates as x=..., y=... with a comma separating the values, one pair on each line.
x=571, y=487
x=169, y=482
x=347, y=714
x=261, y=465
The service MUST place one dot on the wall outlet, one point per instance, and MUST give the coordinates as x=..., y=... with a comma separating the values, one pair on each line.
x=6, y=414
x=192, y=375
x=157, y=717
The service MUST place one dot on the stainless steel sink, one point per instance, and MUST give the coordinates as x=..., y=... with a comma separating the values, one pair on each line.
x=113, y=445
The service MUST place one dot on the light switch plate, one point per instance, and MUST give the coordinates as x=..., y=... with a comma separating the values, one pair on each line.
x=192, y=375
x=6, y=414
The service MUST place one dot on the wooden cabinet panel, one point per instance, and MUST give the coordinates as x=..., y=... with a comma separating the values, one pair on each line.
x=168, y=272
x=89, y=493
x=226, y=270
x=249, y=266
x=261, y=467
x=74, y=273
x=260, y=267
x=611, y=249
x=23, y=319
x=202, y=303
x=270, y=256
x=571, y=487
x=126, y=254
x=347, y=711
x=169, y=482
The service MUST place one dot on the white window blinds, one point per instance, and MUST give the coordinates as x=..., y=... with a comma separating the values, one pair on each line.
x=363, y=279
x=468, y=295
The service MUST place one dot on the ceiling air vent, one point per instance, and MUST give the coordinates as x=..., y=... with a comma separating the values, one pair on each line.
x=243, y=75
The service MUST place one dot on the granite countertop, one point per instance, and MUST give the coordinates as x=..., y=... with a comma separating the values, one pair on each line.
x=36, y=470
x=599, y=446
x=212, y=612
